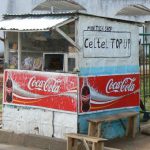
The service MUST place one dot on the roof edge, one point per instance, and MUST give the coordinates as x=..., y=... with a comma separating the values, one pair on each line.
x=70, y=13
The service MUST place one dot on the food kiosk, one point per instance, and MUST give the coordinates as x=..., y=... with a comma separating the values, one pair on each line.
x=64, y=68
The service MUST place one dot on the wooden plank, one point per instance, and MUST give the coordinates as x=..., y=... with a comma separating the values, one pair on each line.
x=94, y=129
x=98, y=146
x=86, y=145
x=134, y=127
x=69, y=143
x=86, y=137
x=131, y=127
x=114, y=117
x=97, y=143
x=110, y=148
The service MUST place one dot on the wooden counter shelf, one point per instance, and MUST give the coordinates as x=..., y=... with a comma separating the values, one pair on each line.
x=89, y=142
x=94, y=128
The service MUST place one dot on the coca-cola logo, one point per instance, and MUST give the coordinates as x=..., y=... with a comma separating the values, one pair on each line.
x=126, y=85
x=50, y=85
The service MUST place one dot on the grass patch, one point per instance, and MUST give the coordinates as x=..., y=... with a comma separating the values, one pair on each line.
x=1, y=107
x=1, y=98
x=145, y=90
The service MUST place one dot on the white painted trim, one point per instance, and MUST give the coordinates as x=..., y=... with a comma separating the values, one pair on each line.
x=110, y=75
x=38, y=107
x=107, y=110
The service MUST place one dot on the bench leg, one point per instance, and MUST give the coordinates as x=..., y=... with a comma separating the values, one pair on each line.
x=134, y=126
x=72, y=144
x=98, y=146
x=94, y=129
x=131, y=127
x=69, y=143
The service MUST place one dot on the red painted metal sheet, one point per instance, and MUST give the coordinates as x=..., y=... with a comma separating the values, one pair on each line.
x=108, y=92
x=49, y=90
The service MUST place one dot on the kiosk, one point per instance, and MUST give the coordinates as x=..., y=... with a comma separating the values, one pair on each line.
x=63, y=69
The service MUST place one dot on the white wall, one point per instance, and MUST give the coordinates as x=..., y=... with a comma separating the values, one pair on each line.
x=30, y=120
x=110, y=8
x=117, y=27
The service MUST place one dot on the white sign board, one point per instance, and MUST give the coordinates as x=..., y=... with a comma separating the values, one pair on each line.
x=106, y=44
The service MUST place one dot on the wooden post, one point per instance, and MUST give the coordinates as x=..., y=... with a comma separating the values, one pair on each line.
x=69, y=143
x=134, y=126
x=94, y=129
x=131, y=127
x=19, y=50
x=6, y=51
x=98, y=146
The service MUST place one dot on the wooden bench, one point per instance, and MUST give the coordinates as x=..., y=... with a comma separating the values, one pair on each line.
x=94, y=128
x=74, y=138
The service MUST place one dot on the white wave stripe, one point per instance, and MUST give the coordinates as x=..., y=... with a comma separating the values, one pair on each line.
x=18, y=90
x=95, y=95
x=28, y=98
x=29, y=95
x=98, y=102
x=34, y=98
x=118, y=98
x=72, y=91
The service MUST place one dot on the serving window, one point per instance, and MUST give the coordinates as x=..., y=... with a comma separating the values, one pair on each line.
x=53, y=62
x=43, y=51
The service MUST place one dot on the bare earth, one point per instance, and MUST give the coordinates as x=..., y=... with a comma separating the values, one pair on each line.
x=141, y=142
x=14, y=147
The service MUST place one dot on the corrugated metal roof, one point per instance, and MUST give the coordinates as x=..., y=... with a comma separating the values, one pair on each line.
x=26, y=19
x=32, y=23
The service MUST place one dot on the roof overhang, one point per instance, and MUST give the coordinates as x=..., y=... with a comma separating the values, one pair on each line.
x=32, y=24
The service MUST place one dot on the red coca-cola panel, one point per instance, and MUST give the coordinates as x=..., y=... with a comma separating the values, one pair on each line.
x=41, y=89
x=108, y=92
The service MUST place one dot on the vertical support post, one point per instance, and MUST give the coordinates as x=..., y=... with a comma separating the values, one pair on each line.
x=94, y=129
x=132, y=127
x=98, y=146
x=6, y=51
x=19, y=50
x=69, y=143
x=144, y=81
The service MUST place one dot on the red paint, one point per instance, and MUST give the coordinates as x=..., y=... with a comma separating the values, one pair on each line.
x=110, y=92
x=50, y=90
x=60, y=91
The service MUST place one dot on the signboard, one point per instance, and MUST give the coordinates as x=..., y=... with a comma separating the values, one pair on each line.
x=109, y=92
x=41, y=89
x=98, y=43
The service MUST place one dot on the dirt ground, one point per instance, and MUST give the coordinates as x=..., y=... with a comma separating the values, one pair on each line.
x=15, y=147
x=140, y=142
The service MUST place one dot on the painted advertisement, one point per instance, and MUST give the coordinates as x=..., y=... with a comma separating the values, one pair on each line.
x=108, y=92
x=41, y=89
x=106, y=43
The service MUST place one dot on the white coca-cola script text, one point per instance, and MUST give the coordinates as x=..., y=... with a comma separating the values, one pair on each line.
x=49, y=85
x=125, y=85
